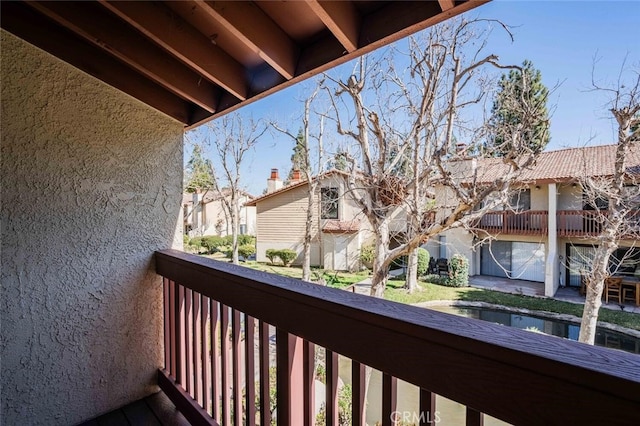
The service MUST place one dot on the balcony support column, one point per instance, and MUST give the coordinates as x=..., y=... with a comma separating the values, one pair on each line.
x=551, y=276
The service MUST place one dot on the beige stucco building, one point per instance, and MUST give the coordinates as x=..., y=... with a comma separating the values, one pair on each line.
x=205, y=213
x=549, y=232
x=339, y=227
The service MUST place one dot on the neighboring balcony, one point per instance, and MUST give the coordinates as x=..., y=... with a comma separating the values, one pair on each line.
x=233, y=336
x=529, y=222
x=570, y=223
x=589, y=223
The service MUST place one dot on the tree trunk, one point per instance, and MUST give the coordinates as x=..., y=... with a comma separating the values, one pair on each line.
x=380, y=266
x=411, y=283
x=306, y=258
x=235, y=213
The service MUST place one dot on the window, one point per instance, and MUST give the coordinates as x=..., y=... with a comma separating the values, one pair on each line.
x=329, y=203
x=520, y=201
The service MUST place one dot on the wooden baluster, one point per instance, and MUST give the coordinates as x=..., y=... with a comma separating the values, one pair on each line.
x=224, y=352
x=428, y=415
x=166, y=327
x=265, y=400
x=309, y=363
x=289, y=385
x=331, y=401
x=197, y=349
x=389, y=399
x=474, y=417
x=180, y=348
x=207, y=343
x=358, y=379
x=173, y=343
x=236, y=374
x=216, y=368
x=250, y=368
x=188, y=341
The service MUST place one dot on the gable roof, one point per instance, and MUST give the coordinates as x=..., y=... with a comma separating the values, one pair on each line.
x=295, y=185
x=212, y=195
x=564, y=165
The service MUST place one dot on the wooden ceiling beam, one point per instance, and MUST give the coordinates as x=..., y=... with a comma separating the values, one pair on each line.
x=256, y=30
x=109, y=33
x=164, y=27
x=342, y=19
x=26, y=23
x=446, y=4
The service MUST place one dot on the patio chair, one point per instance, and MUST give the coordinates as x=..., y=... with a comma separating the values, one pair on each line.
x=443, y=266
x=629, y=294
x=613, y=288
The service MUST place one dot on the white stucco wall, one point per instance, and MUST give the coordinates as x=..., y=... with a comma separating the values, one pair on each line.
x=91, y=186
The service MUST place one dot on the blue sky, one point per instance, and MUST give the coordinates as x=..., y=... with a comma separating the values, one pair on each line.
x=561, y=38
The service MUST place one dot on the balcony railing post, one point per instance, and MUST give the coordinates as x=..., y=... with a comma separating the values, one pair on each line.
x=358, y=383
x=290, y=378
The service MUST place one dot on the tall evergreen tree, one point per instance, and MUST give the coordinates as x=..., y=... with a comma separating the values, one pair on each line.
x=199, y=171
x=519, y=89
x=298, y=156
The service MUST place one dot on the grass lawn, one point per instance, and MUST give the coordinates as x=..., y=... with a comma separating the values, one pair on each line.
x=333, y=279
x=430, y=292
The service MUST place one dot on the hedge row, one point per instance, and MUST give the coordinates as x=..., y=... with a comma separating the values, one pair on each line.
x=286, y=256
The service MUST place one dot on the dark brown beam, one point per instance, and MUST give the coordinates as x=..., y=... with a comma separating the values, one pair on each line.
x=255, y=29
x=446, y=4
x=402, y=18
x=106, y=31
x=183, y=41
x=342, y=19
x=34, y=28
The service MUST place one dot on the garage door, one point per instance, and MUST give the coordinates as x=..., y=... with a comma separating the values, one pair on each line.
x=527, y=261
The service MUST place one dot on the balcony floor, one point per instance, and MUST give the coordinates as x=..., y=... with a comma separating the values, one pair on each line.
x=154, y=410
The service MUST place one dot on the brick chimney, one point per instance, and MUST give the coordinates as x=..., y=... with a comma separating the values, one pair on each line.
x=274, y=183
x=295, y=176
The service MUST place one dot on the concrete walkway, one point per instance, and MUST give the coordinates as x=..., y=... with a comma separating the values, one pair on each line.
x=521, y=287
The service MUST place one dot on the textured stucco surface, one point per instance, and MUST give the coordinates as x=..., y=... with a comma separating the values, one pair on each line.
x=91, y=186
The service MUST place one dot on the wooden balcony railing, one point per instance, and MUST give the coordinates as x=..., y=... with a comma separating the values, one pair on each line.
x=589, y=223
x=217, y=365
x=530, y=222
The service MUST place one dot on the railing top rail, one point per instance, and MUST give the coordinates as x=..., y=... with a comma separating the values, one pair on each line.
x=482, y=365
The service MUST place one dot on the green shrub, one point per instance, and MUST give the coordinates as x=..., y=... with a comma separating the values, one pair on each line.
x=366, y=254
x=246, y=250
x=287, y=256
x=272, y=255
x=423, y=261
x=227, y=240
x=244, y=240
x=437, y=279
x=212, y=242
x=185, y=240
x=458, y=271
x=196, y=241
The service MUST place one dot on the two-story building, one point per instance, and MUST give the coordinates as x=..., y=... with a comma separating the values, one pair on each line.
x=549, y=231
x=339, y=226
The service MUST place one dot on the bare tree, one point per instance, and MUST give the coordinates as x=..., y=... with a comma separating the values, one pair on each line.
x=405, y=124
x=310, y=171
x=619, y=191
x=232, y=137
